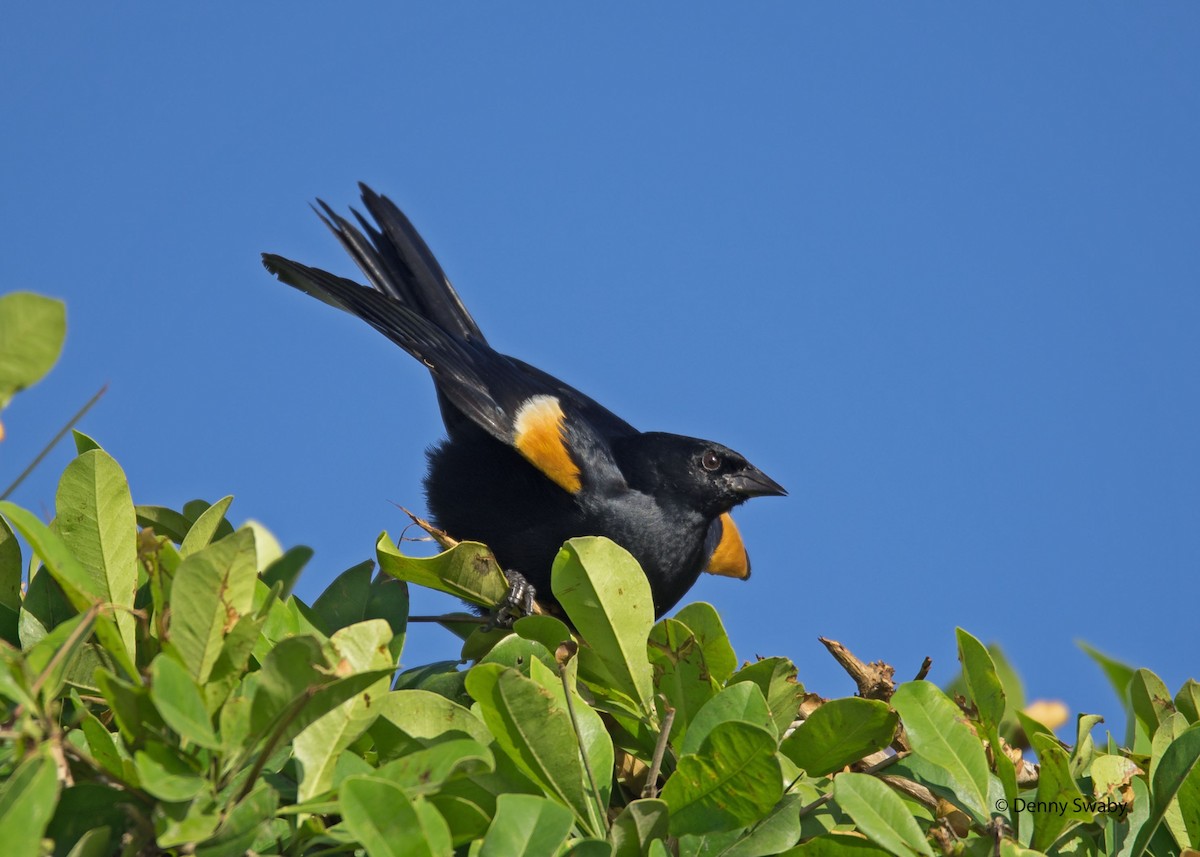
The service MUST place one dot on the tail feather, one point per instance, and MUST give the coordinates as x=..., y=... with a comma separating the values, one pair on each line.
x=399, y=263
x=460, y=369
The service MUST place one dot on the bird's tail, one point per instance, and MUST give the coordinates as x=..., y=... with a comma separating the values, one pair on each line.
x=398, y=263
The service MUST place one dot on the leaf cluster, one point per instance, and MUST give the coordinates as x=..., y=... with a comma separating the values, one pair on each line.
x=164, y=692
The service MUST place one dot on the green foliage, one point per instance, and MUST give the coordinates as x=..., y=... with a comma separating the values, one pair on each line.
x=32, y=329
x=164, y=692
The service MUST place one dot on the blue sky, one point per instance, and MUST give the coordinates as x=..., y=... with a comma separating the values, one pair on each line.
x=932, y=267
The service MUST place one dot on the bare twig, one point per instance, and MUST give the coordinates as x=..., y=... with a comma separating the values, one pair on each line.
x=828, y=796
x=874, y=680
x=440, y=536
x=53, y=442
x=651, y=787
x=452, y=617
x=924, y=670
x=562, y=657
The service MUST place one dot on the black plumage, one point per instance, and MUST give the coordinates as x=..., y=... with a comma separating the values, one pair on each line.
x=528, y=461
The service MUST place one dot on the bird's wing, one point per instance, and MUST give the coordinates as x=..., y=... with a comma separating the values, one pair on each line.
x=557, y=429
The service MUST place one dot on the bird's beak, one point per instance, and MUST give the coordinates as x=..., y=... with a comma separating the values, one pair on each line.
x=752, y=482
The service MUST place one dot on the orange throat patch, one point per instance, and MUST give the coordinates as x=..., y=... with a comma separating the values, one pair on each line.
x=539, y=435
x=730, y=558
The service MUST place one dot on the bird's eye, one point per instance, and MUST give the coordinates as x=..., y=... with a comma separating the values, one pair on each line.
x=711, y=461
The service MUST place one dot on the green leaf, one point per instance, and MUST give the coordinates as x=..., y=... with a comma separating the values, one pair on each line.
x=131, y=707
x=1187, y=701
x=704, y=621
x=32, y=329
x=74, y=579
x=427, y=770
x=838, y=845
x=185, y=823
x=344, y=601
x=212, y=589
x=206, y=526
x=286, y=569
x=742, y=701
x=983, y=684
x=1121, y=836
x=84, y=806
x=1110, y=775
x=840, y=732
x=592, y=848
x=388, y=600
x=423, y=714
x=517, y=652
x=1056, y=788
x=166, y=774
x=1085, y=747
x=293, y=670
x=639, y=824
x=733, y=781
x=102, y=745
x=1150, y=700
x=53, y=657
x=194, y=510
x=94, y=843
x=83, y=443
x=95, y=520
x=27, y=802
x=526, y=826
x=10, y=584
x=880, y=814
x=242, y=826
x=177, y=697
x=547, y=630
x=680, y=673
x=363, y=647
x=467, y=571
x=535, y=733
x=986, y=691
x=776, y=678
x=607, y=597
x=388, y=824
x=1177, y=765
x=593, y=736
x=164, y=521
x=44, y=608
x=465, y=818
x=937, y=732
x=775, y=832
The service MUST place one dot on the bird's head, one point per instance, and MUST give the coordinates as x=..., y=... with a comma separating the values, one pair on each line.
x=709, y=477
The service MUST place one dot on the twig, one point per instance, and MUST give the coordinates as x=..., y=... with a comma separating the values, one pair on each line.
x=874, y=680
x=651, y=787
x=67, y=648
x=53, y=442
x=452, y=617
x=924, y=670
x=562, y=656
x=444, y=540
x=828, y=796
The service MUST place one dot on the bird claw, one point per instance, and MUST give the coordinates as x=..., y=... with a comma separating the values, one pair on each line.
x=517, y=602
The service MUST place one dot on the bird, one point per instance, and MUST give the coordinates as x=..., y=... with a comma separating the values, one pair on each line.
x=529, y=461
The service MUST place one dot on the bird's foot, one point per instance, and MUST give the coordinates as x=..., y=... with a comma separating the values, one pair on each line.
x=517, y=602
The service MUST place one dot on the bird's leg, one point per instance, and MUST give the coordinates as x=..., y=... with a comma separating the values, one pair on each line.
x=517, y=601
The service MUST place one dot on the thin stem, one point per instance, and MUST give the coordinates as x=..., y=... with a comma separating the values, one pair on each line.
x=651, y=787
x=53, y=442
x=587, y=765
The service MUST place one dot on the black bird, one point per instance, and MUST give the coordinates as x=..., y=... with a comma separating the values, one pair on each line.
x=529, y=461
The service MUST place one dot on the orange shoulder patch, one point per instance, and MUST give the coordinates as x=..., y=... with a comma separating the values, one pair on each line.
x=729, y=559
x=539, y=436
